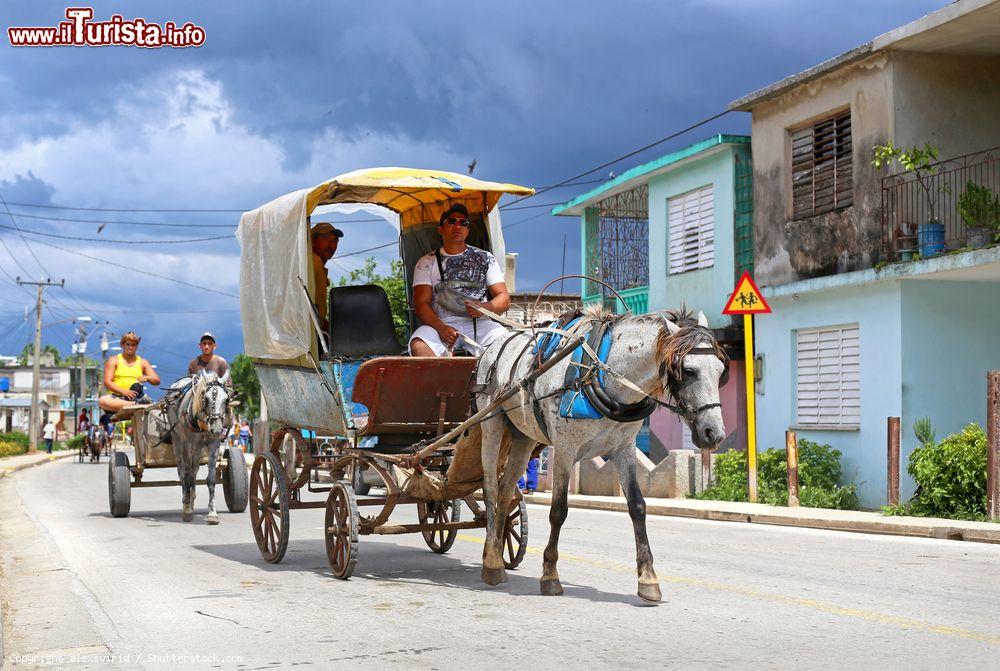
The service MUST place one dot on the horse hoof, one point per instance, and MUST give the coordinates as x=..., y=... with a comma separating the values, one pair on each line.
x=212, y=519
x=551, y=587
x=650, y=592
x=187, y=517
x=494, y=576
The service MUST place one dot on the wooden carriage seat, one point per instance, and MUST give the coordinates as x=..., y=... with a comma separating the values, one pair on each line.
x=414, y=395
x=361, y=322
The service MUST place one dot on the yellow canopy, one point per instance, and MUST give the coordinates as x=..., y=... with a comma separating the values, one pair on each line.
x=418, y=196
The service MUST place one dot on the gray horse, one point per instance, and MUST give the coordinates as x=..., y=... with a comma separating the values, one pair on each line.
x=198, y=413
x=662, y=353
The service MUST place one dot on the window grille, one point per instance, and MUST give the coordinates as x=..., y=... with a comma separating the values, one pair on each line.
x=691, y=230
x=822, y=170
x=828, y=376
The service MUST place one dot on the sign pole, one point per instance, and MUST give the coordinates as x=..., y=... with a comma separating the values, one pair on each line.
x=751, y=409
x=747, y=300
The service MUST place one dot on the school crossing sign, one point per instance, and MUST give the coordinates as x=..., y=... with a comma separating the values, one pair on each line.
x=746, y=299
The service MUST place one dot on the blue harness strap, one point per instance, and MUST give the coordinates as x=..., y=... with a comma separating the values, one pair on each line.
x=574, y=403
x=549, y=342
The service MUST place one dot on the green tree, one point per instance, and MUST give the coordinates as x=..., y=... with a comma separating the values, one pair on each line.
x=393, y=283
x=26, y=353
x=247, y=385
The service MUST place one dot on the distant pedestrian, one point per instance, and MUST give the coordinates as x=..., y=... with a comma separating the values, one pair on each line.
x=83, y=422
x=245, y=434
x=529, y=481
x=48, y=435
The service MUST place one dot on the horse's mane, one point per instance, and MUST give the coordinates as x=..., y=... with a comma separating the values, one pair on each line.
x=670, y=349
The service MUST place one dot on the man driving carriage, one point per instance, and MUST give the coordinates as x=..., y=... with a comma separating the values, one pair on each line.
x=447, y=286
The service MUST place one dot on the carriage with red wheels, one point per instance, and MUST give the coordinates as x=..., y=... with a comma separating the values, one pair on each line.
x=352, y=378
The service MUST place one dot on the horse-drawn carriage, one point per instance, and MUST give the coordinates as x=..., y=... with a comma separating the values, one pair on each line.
x=353, y=380
x=153, y=439
x=95, y=444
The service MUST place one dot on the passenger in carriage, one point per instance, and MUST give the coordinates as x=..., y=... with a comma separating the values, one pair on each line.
x=124, y=376
x=447, y=285
x=325, y=239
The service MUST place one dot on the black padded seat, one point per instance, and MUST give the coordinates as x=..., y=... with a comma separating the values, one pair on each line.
x=361, y=322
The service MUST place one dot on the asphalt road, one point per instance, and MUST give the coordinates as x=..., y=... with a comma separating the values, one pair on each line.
x=150, y=591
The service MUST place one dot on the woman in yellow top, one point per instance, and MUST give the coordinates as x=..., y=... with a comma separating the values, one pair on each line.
x=124, y=370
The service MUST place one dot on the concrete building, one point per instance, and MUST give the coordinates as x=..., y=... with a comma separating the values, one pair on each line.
x=676, y=230
x=884, y=304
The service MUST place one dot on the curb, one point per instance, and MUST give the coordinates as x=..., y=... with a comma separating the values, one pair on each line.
x=887, y=526
x=10, y=470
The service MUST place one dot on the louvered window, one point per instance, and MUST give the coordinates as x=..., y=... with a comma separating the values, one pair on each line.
x=828, y=382
x=691, y=229
x=822, y=174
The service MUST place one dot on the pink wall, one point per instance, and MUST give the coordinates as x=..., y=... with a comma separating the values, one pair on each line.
x=666, y=426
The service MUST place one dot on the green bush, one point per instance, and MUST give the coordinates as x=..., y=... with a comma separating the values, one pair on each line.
x=18, y=437
x=11, y=449
x=820, y=476
x=950, y=477
x=75, y=443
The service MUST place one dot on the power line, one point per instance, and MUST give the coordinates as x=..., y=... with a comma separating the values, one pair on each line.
x=121, y=242
x=112, y=222
x=109, y=209
x=624, y=156
x=370, y=249
x=136, y=270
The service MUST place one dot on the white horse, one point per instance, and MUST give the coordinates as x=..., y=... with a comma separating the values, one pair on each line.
x=672, y=352
x=198, y=420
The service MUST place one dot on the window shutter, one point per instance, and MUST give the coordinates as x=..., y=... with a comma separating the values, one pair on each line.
x=691, y=230
x=828, y=376
x=822, y=168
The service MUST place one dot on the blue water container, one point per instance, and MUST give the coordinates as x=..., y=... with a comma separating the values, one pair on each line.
x=930, y=237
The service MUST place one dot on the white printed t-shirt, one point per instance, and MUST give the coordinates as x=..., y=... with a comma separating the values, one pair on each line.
x=472, y=265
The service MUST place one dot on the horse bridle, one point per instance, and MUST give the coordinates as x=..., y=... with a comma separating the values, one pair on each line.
x=683, y=409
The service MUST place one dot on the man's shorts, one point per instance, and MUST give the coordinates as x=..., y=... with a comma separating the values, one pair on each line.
x=486, y=330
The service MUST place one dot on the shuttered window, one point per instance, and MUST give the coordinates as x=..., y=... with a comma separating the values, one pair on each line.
x=822, y=173
x=828, y=388
x=691, y=230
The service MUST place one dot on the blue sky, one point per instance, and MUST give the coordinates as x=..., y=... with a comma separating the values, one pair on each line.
x=284, y=95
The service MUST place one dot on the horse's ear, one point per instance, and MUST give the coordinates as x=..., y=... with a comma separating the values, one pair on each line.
x=225, y=377
x=702, y=321
x=672, y=327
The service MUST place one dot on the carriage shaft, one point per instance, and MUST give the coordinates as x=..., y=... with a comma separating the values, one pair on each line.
x=393, y=529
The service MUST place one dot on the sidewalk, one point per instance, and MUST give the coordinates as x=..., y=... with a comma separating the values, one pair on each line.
x=9, y=465
x=814, y=518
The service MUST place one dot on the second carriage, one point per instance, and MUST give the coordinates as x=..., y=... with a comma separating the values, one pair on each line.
x=353, y=379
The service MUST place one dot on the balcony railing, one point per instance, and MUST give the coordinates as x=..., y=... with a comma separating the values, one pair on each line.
x=636, y=299
x=915, y=207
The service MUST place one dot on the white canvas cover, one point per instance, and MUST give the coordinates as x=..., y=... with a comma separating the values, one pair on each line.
x=274, y=254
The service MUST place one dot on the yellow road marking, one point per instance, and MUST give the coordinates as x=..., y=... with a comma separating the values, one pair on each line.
x=812, y=604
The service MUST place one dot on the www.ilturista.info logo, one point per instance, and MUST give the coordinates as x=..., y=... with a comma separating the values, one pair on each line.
x=81, y=31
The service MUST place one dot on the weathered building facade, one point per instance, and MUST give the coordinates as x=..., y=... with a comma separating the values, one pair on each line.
x=870, y=319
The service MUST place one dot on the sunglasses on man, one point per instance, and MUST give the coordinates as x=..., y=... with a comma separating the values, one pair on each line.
x=456, y=221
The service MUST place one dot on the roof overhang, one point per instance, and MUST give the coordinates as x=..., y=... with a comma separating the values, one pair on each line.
x=969, y=27
x=641, y=174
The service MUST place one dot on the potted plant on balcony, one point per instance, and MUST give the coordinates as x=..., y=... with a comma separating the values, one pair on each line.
x=921, y=162
x=979, y=209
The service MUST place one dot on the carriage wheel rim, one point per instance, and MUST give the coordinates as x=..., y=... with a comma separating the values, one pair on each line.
x=267, y=517
x=515, y=541
x=340, y=531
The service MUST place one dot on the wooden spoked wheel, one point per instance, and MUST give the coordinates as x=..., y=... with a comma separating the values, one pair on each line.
x=269, y=502
x=439, y=512
x=515, y=534
x=341, y=530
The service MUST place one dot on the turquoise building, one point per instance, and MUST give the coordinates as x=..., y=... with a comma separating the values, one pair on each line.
x=675, y=231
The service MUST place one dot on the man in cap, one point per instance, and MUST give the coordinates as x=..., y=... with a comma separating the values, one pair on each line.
x=325, y=238
x=448, y=284
x=208, y=361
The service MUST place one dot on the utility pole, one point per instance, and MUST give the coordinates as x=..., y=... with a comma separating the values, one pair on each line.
x=37, y=361
x=81, y=347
